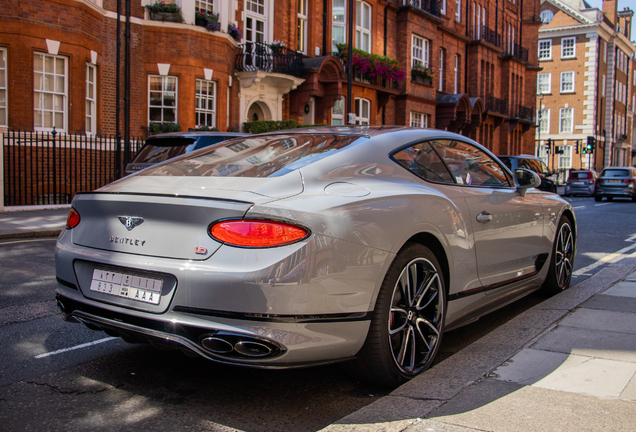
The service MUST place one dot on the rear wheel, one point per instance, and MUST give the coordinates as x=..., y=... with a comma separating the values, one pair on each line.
x=562, y=261
x=408, y=319
x=598, y=198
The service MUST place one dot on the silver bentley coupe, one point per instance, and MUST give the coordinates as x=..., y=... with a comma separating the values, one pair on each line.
x=304, y=247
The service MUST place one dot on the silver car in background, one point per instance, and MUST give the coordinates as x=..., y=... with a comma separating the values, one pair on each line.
x=616, y=182
x=305, y=247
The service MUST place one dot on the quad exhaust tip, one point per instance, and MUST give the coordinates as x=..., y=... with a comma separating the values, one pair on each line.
x=236, y=345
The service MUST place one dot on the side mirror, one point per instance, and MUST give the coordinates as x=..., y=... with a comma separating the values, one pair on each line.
x=526, y=179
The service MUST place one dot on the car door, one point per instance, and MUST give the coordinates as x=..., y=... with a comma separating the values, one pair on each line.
x=507, y=227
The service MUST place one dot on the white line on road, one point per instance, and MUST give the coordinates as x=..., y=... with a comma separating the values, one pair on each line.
x=597, y=205
x=609, y=258
x=579, y=207
x=79, y=346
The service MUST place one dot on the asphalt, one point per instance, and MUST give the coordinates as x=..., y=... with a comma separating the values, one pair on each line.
x=567, y=364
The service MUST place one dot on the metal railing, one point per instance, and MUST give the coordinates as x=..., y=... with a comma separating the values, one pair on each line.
x=516, y=51
x=487, y=35
x=524, y=113
x=50, y=167
x=255, y=56
x=496, y=105
x=431, y=6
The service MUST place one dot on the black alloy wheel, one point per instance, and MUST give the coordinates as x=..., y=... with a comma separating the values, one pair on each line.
x=562, y=261
x=408, y=320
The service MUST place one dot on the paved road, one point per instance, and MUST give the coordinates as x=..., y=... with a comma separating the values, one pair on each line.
x=108, y=384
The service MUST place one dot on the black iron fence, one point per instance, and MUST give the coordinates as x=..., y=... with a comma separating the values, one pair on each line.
x=496, y=105
x=255, y=56
x=517, y=51
x=488, y=35
x=49, y=167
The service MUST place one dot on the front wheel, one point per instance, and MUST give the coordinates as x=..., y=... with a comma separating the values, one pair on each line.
x=562, y=261
x=408, y=319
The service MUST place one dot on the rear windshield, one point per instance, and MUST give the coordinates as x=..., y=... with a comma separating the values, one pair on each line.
x=161, y=149
x=266, y=156
x=616, y=173
x=580, y=175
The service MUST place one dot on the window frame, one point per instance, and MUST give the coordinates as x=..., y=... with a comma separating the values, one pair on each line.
x=4, y=78
x=341, y=116
x=543, y=50
x=565, y=157
x=546, y=16
x=458, y=11
x=441, y=69
x=208, y=6
x=456, y=74
x=90, y=126
x=251, y=33
x=564, y=48
x=41, y=93
x=547, y=75
x=338, y=24
x=199, y=97
x=424, y=48
x=418, y=119
x=302, y=26
x=163, y=107
x=563, y=82
x=363, y=34
x=358, y=107
x=563, y=119
x=544, y=121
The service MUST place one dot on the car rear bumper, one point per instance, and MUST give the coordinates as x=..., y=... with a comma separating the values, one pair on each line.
x=579, y=190
x=260, y=343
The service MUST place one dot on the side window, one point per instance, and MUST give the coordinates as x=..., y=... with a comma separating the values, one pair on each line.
x=422, y=160
x=470, y=165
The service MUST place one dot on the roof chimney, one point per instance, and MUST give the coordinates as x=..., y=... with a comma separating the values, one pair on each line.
x=625, y=19
x=611, y=12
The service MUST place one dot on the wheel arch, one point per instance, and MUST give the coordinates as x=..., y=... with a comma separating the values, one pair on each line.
x=430, y=241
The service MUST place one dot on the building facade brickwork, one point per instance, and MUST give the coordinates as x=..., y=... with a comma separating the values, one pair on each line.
x=482, y=58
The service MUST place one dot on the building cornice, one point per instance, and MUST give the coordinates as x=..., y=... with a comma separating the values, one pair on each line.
x=568, y=10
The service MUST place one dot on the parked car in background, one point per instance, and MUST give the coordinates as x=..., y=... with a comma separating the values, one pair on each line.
x=312, y=246
x=580, y=182
x=161, y=147
x=533, y=164
x=616, y=182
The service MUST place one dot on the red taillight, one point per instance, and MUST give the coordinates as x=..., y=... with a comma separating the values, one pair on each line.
x=73, y=219
x=256, y=233
x=629, y=180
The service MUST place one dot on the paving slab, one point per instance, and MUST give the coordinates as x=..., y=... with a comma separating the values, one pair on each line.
x=609, y=302
x=630, y=391
x=622, y=289
x=594, y=319
x=591, y=343
x=33, y=223
x=631, y=277
x=493, y=405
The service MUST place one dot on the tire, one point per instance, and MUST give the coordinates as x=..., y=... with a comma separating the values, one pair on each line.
x=408, y=320
x=562, y=260
x=598, y=198
x=609, y=198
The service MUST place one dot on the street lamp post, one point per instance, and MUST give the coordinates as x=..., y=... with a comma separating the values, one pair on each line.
x=539, y=120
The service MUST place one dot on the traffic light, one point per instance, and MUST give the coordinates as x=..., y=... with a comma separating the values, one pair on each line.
x=591, y=144
x=548, y=148
x=576, y=148
x=559, y=149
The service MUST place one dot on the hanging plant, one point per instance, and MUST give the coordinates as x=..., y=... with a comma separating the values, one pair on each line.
x=372, y=64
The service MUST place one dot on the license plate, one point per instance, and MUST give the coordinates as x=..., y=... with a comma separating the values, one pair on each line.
x=577, y=183
x=128, y=286
x=613, y=181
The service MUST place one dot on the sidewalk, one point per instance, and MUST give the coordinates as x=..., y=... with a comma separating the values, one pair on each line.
x=33, y=221
x=568, y=364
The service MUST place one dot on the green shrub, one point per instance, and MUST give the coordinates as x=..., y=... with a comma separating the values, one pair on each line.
x=311, y=125
x=163, y=127
x=262, y=126
x=207, y=128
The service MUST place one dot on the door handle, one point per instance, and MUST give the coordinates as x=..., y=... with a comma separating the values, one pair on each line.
x=484, y=217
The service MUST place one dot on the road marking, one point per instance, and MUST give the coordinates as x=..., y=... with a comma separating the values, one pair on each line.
x=631, y=239
x=78, y=347
x=596, y=205
x=579, y=207
x=28, y=241
x=609, y=258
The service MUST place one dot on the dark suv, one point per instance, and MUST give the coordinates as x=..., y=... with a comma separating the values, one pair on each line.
x=533, y=164
x=580, y=182
x=159, y=148
x=616, y=182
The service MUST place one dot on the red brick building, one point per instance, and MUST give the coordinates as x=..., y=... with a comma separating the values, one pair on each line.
x=58, y=65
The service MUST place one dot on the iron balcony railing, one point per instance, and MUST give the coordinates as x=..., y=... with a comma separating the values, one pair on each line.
x=524, y=113
x=431, y=6
x=255, y=56
x=487, y=35
x=50, y=167
x=496, y=105
x=517, y=51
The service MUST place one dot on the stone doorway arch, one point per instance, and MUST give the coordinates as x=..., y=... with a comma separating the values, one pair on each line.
x=258, y=111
